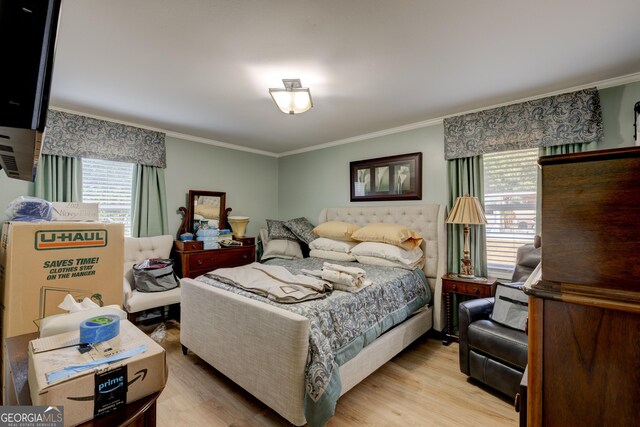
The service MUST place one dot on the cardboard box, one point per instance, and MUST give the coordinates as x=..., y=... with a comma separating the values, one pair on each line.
x=41, y=262
x=73, y=211
x=99, y=390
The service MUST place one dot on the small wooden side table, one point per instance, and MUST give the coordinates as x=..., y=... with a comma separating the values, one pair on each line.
x=480, y=287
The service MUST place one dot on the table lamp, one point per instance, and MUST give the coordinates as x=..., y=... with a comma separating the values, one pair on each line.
x=466, y=210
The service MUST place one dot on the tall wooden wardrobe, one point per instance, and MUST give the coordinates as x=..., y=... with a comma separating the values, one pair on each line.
x=584, y=314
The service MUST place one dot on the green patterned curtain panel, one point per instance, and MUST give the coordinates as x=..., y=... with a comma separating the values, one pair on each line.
x=569, y=118
x=72, y=135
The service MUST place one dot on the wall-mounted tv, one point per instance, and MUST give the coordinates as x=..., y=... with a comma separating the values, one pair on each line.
x=28, y=31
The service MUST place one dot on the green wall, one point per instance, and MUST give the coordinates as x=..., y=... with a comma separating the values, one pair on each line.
x=264, y=187
x=316, y=179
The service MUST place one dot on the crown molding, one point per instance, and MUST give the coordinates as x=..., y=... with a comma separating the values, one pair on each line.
x=603, y=84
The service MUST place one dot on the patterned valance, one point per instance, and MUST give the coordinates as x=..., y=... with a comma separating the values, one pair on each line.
x=72, y=135
x=569, y=118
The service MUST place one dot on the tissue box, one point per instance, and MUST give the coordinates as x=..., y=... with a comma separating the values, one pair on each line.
x=97, y=391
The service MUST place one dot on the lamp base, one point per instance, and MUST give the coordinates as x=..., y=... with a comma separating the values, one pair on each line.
x=466, y=276
x=466, y=268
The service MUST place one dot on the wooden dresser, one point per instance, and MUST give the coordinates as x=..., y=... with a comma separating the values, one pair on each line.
x=584, y=314
x=193, y=263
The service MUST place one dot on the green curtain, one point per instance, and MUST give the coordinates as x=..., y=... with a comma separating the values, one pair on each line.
x=149, y=202
x=59, y=178
x=466, y=177
x=550, y=151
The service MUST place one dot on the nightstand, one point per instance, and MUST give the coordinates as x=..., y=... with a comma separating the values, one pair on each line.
x=480, y=287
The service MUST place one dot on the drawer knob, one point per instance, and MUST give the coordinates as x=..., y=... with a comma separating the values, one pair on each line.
x=200, y=262
x=454, y=287
x=476, y=291
x=245, y=256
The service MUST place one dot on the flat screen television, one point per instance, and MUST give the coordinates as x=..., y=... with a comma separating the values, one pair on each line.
x=28, y=31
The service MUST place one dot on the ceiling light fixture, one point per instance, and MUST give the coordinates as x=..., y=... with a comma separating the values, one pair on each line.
x=293, y=99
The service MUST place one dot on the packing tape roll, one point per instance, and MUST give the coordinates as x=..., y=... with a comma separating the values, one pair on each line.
x=99, y=328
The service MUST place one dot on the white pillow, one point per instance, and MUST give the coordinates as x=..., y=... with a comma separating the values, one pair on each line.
x=281, y=248
x=332, y=255
x=325, y=244
x=388, y=252
x=372, y=260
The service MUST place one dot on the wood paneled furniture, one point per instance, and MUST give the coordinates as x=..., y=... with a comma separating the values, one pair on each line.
x=136, y=414
x=480, y=287
x=584, y=314
x=197, y=262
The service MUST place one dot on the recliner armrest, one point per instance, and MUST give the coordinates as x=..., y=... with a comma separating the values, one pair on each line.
x=469, y=312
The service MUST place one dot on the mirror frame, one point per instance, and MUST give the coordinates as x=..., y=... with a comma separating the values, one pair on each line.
x=193, y=194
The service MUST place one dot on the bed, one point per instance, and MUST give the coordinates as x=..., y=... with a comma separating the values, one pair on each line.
x=264, y=348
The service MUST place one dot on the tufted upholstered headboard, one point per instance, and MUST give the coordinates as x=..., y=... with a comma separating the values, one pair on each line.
x=428, y=220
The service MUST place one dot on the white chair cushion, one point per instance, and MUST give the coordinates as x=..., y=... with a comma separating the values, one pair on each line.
x=140, y=301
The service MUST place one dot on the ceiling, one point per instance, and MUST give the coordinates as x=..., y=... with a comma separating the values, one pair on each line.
x=203, y=67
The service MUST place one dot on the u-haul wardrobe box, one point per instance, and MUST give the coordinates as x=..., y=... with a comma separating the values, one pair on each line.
x=40, y=262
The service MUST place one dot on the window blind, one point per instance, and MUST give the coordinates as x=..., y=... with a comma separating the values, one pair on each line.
x=109, y=184
x=510, y=186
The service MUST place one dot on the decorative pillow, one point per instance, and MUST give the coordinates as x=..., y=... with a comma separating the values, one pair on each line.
x=336, y=230
x=207, y=211
x=332, y=255
x=372, y=260
x=511, y=307
x=394, y=234
x=388, y=252
x=325, y=244
x=277, y=230
x=302, y=229
x=281, y=248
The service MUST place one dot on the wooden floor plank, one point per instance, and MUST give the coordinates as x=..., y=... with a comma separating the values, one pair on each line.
x=422, y=386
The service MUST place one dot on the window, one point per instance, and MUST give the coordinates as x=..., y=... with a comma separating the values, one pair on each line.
x=510, y=186
x=110, y=184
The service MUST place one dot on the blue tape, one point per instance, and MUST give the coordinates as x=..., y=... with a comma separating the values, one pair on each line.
x=99, y=328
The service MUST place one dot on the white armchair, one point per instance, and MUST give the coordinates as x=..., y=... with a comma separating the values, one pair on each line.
x=137, y=249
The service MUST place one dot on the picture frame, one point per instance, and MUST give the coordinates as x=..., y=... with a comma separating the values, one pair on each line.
x=387, y=178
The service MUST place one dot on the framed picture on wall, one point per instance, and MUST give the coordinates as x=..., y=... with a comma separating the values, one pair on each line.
x=387, y=178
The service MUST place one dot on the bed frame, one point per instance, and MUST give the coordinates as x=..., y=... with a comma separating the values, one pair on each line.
x=263, y=348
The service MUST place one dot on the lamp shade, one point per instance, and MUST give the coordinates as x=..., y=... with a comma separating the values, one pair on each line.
x=293, y=99
x=466, y=210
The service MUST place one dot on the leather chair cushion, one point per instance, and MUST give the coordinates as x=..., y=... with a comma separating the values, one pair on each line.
x=499, y=342
x=495, y=374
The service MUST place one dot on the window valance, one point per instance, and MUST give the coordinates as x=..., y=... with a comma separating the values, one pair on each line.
x=569, y=118
x=72, y=135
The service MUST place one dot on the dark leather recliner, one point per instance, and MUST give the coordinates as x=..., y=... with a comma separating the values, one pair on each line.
x=490, y=352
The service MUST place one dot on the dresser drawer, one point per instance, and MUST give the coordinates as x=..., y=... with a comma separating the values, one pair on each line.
x=472, y=289
x=195, y=263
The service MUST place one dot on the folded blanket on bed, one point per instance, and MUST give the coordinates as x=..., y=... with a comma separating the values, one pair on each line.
x=273, y=282
x=350, y=279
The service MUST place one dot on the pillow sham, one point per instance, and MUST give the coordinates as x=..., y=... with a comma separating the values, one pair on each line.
x=372, y=260
x=277, y=230
x=394, y=234
x=336, y=230
x=302, y=229
x=332, y=255
x=325, y=244
x=281, y=248
x=388, y=252
x=207, y=211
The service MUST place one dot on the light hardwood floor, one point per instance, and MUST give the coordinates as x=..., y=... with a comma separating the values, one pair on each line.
x=422, y=386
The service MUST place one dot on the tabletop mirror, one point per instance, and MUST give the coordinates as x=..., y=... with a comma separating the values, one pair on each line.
x=206, y=207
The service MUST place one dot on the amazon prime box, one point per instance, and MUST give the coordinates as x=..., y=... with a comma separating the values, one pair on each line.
x=81, y=379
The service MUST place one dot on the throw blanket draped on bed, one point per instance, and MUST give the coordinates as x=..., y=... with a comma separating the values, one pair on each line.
x=272, y=281
x=343, y=323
